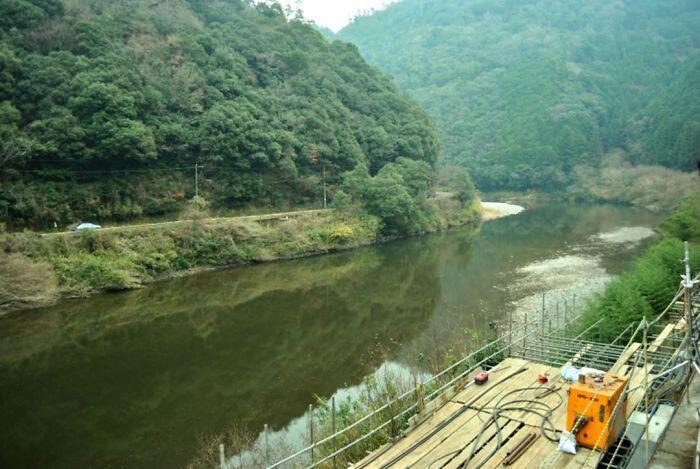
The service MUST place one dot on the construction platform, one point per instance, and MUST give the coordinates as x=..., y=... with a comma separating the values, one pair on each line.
x=462, y=433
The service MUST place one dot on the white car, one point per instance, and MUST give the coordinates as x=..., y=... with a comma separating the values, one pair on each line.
x=87, y=226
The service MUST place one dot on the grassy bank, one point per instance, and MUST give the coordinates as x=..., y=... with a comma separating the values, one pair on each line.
x=646, y=289
x=39, y=270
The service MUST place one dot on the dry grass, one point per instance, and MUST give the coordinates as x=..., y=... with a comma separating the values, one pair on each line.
x=25, y=282
x=242, y=450
x=651, y=187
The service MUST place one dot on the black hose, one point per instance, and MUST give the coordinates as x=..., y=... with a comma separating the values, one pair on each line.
x=497, y=409
x=451, y=419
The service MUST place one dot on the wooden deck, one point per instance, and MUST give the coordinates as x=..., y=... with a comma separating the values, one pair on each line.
x=457, y=434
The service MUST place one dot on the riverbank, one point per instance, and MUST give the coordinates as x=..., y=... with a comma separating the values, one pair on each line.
x=643, y=291
x=41, y=270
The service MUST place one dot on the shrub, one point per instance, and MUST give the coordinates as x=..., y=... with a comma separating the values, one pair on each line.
x=684, y=223
x=83, y=272
x=197, y=208
x=340, y=233
x=620, y=305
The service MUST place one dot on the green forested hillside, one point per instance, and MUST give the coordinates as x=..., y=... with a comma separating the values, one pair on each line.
x=523, y=91
x=105, y=108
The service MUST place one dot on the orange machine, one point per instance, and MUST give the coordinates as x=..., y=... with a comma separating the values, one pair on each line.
x=592, y=401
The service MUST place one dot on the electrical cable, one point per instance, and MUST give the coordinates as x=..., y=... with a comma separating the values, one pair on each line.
x=545, y=413
x=446, y=422
x=498, y=409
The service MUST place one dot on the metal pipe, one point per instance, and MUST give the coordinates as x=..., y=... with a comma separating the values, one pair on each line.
x=311, y=432
x=510, y=331
x=516, y=454
x=564, y=348
x=267, y=445
x=525, y=439
x=542, y=321
x=333, y=428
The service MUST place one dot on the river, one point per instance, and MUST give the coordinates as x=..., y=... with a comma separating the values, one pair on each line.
x=136, y=379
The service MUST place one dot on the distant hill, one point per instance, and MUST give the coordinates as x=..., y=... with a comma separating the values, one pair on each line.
x=327, y=33
x=522, y=91
x=105, y=107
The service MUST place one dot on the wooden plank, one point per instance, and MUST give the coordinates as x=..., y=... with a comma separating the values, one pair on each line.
x=680, y=325
x=536, y=453
x=443, y=414
x=625, y=357
x=545, y=454
x=556, y=399
x=465, y=427
x=417, y=432
x=533, y=453
x=661, y=338
x=555, y=459
x=635, y=397
x=452, y=442
x=480, y=457
x=462, y=425
x=516, y=437
x=512, y=364
x=585, y=458
x=460, y=444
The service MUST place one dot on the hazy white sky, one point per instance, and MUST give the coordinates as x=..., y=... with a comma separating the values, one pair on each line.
x=335, y=14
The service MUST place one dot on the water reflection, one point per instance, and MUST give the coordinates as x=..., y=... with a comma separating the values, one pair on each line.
x=134, y=379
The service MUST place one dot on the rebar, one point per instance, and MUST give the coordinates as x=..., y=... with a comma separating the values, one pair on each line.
x=333, y=429
x=267, y=445
x=311, y=433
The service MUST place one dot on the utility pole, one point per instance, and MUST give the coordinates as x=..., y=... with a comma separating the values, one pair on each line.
x=197, y=167
x=325, y=198
x=314, y=160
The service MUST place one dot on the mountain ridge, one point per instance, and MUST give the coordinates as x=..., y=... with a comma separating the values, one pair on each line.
x=522, y=92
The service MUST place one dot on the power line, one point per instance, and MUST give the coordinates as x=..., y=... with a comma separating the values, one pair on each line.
x=99, y=171
x=143, y=170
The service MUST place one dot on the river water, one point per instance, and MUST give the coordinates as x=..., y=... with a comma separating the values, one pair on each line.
x=136, y=379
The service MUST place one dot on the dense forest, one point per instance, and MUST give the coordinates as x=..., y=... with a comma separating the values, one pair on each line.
x=524, y=91
x=106, y=107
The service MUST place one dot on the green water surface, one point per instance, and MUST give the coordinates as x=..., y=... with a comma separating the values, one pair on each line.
x=135, y=379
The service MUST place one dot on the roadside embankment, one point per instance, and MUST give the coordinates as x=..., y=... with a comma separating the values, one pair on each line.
x=38, y=270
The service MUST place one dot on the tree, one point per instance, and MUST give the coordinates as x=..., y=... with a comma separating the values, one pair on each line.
x=463, y=187
x=13, y=145
x=417, y=176
x=388, y=198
